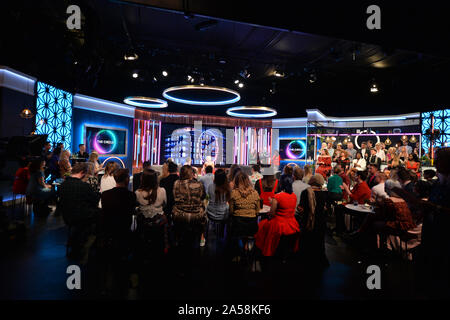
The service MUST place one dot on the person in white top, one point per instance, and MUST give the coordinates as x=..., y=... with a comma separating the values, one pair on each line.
x=298, y=186
x=107, y=182
x=359, y=163
x=380, y=152
x=378, y=191
x=150, y=196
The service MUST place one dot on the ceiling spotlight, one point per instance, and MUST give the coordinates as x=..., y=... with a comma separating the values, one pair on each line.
x=278, y=74
x=154, y=79
x=236, y=81
x=240, y=85
x=312, y=77
x=75, y=62
x=130, y=56
x=245, y=74
x=202, y=81
x=135, y=75
x=374, y=87
x=222, y=61
x=164, y=73
x=189, y=78
x=273, y=90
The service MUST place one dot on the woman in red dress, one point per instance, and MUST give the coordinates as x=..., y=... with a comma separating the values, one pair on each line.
x=281, y=221
x=324, y=163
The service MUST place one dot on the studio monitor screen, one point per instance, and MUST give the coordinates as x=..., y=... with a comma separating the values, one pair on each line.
x=293, y=149
x=106, y=141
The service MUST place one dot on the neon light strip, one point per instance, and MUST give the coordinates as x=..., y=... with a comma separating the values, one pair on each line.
x=197, y=87
x=364, y=134
x=231, y=112
x=147, y=102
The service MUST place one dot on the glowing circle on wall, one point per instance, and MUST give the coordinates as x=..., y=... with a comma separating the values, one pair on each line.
x=296, y=149
x=362, y=132
x=105, y=141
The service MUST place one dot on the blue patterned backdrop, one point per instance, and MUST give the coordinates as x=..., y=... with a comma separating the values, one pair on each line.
x=441, y=122
x=54, y=114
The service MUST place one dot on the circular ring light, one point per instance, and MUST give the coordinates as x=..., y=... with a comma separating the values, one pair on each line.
x=145, y=102
x=365, y=131
x=109, y=158
x=199, y=87
x=269, y=112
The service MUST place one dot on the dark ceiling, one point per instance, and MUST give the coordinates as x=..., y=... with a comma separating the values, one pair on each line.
x=35, y=40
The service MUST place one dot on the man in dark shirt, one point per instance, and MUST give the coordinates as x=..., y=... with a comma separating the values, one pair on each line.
x=78, y=205
x=137, y=176
x=118, y=206
x=167, y=183
x=373, y=159
x=371, y=180
x=81, y=155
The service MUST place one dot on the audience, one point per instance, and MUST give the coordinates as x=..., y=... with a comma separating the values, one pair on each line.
x=378, y=192
x=308, y=173
x=373, y=171
x=107, y=181
x=219, y=194
x=267, y=186
x=93, y=157
x=37, y=189
x=21, y=178
x=256, y=174
x=137, y=176
x=361, y=191
x=298, y=186
x=167, y=183
x=208, y=177
x=359, y=163
x=64, y=164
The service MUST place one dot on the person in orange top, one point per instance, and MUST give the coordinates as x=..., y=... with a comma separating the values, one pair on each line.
x=411, y=163
x=281, y=220
x=361, y=191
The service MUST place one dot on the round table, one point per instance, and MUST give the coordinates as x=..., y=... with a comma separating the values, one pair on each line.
x=357, y=210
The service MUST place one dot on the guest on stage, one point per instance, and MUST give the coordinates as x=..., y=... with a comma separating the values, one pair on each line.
x=81, y=155
x=208, y=162
x=324, y=163
x=359, y=163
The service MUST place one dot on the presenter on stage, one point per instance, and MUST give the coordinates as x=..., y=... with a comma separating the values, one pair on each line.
x=323, y=163
x=208, y=162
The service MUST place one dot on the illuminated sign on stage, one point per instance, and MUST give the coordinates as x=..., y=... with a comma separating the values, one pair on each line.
x=106, y=141
x=292, y=149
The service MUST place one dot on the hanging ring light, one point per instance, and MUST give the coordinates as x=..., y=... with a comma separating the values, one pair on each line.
x=145, y=102
x=266, y=112
x=166, y=94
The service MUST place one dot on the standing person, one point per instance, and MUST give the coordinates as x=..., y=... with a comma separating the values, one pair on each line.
x=152, y=199
x=90, y=177
x=406, y=147
x=380, y=152
x=64, y=164
x=359, y=163
x=307, y=173
x=78, y=205
x=52, y=164
x=324, y=163
x=364, y=151
x=219, y=194
x=118, y=207
x=281, y=221
x=256, y=174
x=208, y=178
x=313, y=222
x=234, y=169
x=267, y=186
x=81, y=155
x=330, y=149
x=350, y=151
x=334, y=186
x=108, y=182
x=374, y=159
x=298, y=186
x=244, y=209
x=390, y=154
x=137, y=176
x=188, y=213
x=168, y=183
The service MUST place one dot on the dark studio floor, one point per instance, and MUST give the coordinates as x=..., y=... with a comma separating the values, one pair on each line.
x=35, y=268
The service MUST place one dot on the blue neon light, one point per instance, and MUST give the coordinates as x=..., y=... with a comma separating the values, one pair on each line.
x=54, y=114
x=202, y=103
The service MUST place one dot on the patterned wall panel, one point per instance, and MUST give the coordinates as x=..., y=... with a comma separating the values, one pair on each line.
x=441, y=122
x=54, y=114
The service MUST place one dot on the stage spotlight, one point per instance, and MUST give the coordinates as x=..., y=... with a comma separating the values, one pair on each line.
x=236, y=81
x=240, y=85
x=165, y=73
x=130, y=56
x=278, y=74
x=374, y=87
x=154, y=79
x=135, y=75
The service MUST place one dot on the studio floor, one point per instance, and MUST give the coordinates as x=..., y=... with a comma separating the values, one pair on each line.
x=35, y=268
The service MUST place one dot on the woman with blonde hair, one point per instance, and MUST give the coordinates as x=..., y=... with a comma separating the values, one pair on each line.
x=93, y=157
x=307, y=174
x=64, y=164
x=380, y=151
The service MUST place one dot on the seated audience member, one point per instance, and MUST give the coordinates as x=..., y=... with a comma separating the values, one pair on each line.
x=412, y=163
x=390, y=154
x=351, y=152
x=395, y=162
x=392, y=217
x=189, y=214
x=167, y=183
x=359, y=163
x=307, y=173
x=46, y=154
x=334, y=186
x=208, y=178
x=152, y=199
x=78, y=205
x=324, y=163
x=118, y=206
x=256, y=174
x=64, y=164
x=21, y=178
x=90, y=177
x=373, y=171
x=108, y=182
x=298, y=186
x=267, y=186
x=403, y=153
x=137, y=176
x=313, y=224
x=378, y=192
x=330, y=149
x=52, y=164
x=336, y=155
x=361, y=191
x=219, y=194
x=281, y=221
x=93, y=157
x=406, y=179
x=37, y=189
x=344, y=160
x=387, y=172
x=373, y=158
x=244, y=209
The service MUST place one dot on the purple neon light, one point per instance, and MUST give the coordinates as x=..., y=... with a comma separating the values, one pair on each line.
x=364, y=134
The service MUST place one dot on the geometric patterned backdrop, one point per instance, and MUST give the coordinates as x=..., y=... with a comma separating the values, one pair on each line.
x=54, y=114
x=441, y=122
